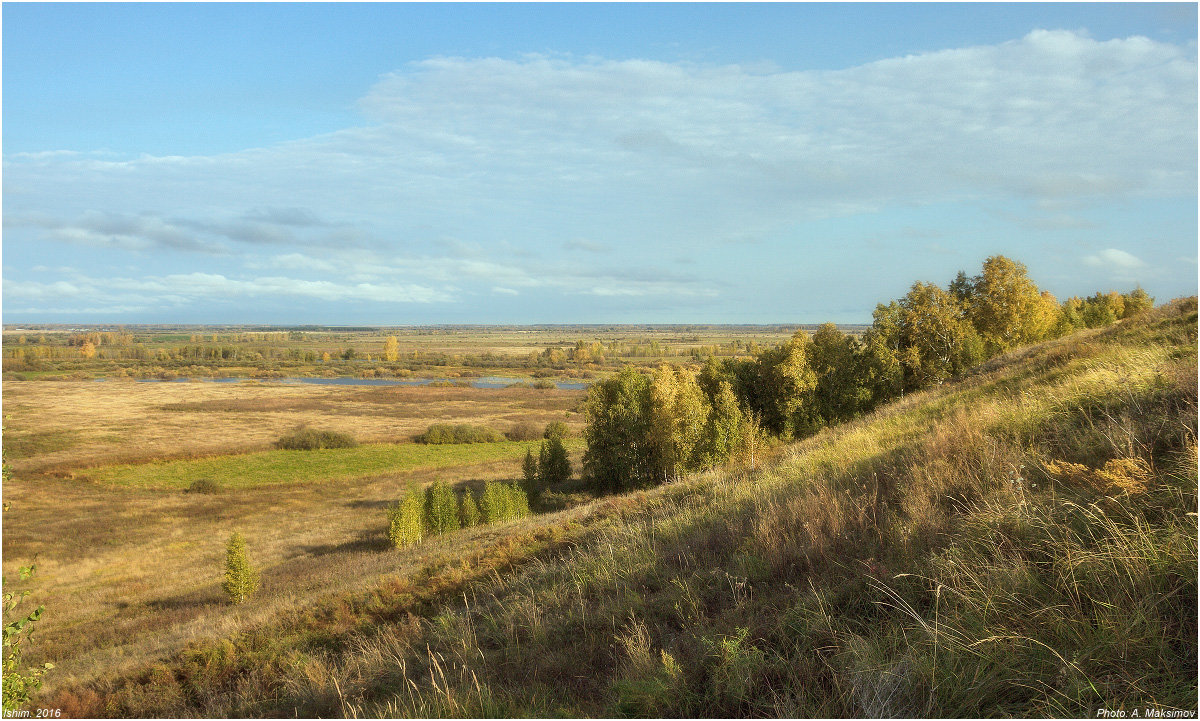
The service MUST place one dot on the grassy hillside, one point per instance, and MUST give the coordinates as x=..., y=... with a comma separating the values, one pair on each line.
x=1018, y=542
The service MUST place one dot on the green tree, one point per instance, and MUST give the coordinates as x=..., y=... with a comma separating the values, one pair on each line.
x=723, y=429
x=879, y=360
x=678, y=413
x=518, y=502
x=1102, y=309
x=618, y=419
x=783, y=388
x=502, y=502
x=1136, y=301
x=936, y=343
x=468, y=510
x=553, y=464
x=406, y=519
x=841, y=391
x=441, y=508
x=493, y=503
x=241, y=581
x=529, y=469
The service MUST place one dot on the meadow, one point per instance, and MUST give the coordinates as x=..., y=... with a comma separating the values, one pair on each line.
x=129, y=561
x=1017, y=541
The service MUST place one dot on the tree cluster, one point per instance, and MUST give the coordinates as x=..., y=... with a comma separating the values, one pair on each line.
x=643, y=430
x=647, y=429
x=439, y=509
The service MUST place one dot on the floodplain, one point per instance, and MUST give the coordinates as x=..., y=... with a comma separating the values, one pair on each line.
x=104, y=444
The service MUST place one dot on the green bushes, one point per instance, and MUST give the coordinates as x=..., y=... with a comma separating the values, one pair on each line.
x=310, y=439
x=438, y=509
x=440, y=433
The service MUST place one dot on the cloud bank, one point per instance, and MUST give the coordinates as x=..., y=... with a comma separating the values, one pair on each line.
x=514, y=178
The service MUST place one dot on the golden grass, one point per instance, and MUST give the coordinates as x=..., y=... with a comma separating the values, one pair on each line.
x=129, y=575
x=114, y=422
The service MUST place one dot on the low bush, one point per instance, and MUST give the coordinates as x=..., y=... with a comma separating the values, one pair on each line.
x=309, y=439
x=523, y=431
x=203, y=485
x=459, y=433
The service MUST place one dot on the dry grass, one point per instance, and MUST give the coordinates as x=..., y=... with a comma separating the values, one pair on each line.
x=914, y=563
x=90, y=423
x=128, y=576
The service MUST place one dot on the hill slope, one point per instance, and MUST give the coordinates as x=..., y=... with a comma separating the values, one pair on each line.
x=1018, y=542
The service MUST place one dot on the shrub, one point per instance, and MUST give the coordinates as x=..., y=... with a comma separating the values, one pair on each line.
x=544, y=385
x=19, y=683
x=523, y=431
x=406, y=520
x=440, y=433
x=240, y=579
x=309, y=439
x=556, y=429
x=441, y=508
x=203, y=485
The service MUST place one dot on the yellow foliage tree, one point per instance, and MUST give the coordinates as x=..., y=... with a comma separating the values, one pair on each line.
x=391, y=349
x=88, y=350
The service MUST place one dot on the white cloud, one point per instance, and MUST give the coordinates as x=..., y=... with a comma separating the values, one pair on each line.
x=1115, y=259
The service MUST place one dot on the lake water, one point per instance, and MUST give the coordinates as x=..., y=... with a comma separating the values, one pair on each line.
x=484, y=382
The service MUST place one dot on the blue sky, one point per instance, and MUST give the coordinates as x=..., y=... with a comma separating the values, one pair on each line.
x=556, y=163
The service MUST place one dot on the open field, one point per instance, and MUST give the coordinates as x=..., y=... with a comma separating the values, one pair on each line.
x=130, y=563
x=1020, y=541
x=55, y=426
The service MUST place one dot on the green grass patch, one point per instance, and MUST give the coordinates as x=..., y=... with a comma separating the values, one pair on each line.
x=248, y=470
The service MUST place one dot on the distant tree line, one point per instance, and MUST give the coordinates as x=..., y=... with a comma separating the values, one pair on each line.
x=646, y=429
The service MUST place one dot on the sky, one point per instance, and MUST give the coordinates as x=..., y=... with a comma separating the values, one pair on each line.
x=404, y=163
